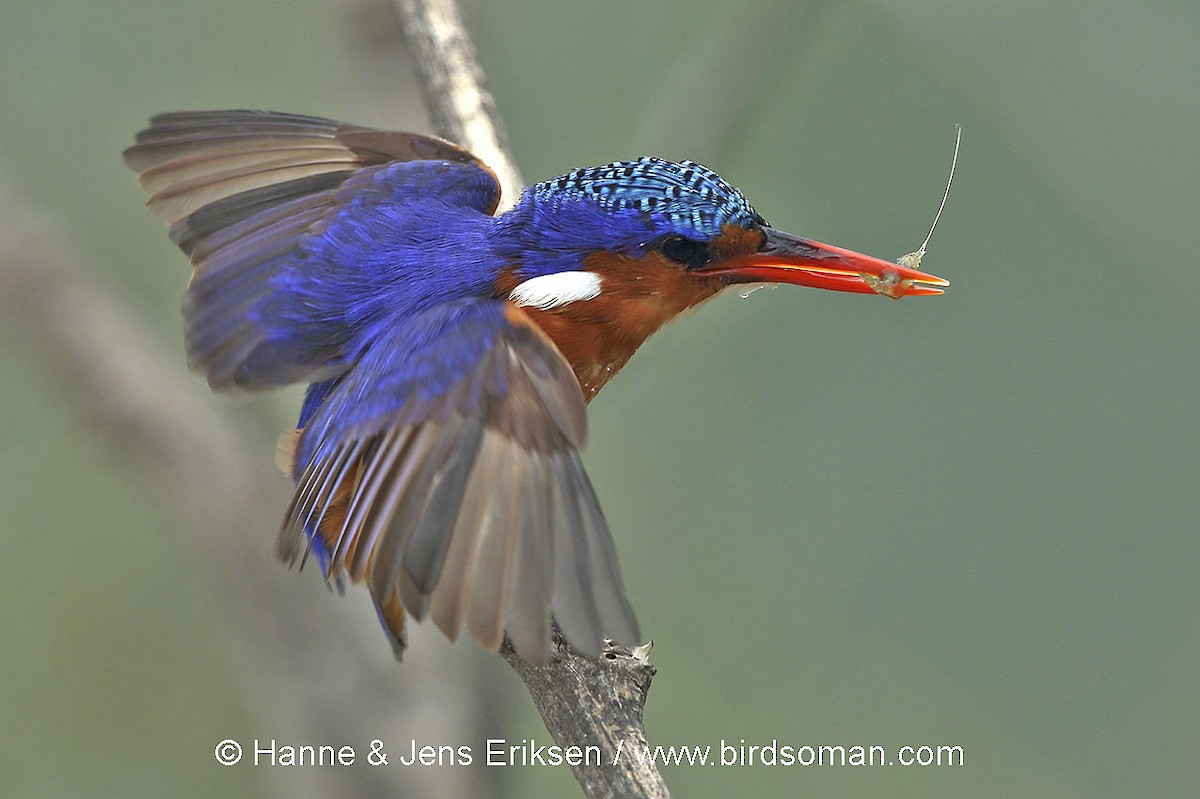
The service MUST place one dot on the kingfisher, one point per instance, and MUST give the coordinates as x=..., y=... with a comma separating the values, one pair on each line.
x=449, y=352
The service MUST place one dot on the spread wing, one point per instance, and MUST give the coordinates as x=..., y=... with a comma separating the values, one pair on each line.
x=443, y=470
x=255, y=199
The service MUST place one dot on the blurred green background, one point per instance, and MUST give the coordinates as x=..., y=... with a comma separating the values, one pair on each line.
x=968, y=520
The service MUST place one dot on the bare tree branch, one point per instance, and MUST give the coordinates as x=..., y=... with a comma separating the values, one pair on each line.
x=583, y=701
x=597, y=702
x=461, y=107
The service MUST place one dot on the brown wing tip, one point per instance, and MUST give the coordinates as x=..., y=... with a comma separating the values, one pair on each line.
x=391, y=614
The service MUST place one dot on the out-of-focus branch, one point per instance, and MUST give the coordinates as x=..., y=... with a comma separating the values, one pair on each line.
x=214, y=466
x=583, y=701
x=114, y=370
x=461, y=107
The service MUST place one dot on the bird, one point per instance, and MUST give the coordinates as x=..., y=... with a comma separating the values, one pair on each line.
x=450, y=352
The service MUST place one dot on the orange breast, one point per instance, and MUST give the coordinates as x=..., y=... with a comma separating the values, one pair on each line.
x=637, y=297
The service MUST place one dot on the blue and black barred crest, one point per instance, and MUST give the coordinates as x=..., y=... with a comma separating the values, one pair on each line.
x=686, y=194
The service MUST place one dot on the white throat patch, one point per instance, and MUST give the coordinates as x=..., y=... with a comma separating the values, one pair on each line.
x=557, y=289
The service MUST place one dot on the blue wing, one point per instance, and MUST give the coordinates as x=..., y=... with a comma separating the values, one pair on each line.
x=442, y=469
x=295, y=226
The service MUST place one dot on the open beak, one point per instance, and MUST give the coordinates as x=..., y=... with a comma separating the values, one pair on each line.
x=784, y=258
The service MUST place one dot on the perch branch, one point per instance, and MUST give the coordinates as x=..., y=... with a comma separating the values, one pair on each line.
x=451, y=80
x=583, y=701
x=597, y=702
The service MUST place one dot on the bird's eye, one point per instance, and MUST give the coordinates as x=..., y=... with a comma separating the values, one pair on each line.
x=681, y=250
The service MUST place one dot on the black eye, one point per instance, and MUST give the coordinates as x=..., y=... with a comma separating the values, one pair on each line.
x=681, y=250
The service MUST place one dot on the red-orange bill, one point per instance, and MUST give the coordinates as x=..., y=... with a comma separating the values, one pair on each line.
x=785, y=258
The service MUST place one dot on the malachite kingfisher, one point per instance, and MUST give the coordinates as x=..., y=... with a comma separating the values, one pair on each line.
x=449, y=352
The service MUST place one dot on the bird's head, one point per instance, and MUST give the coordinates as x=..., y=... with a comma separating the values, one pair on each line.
x=651, y=213
x=620, y=249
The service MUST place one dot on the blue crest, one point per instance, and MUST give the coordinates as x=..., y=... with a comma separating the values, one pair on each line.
x=688, y=196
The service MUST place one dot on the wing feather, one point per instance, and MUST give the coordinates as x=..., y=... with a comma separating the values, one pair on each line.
x=487, y=602
x=189, y=169
x=527, y=619
x=575, y=606
x=604, y=575
x=192, y=159
x=372, y=509
x=469, y=502
x=448, y=603
x=254, y=198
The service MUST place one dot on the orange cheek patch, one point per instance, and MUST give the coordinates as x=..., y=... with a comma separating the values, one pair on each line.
x=737, y=240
